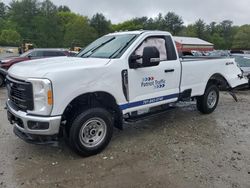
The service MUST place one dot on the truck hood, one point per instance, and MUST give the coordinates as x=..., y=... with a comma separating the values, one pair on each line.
x=41, y=67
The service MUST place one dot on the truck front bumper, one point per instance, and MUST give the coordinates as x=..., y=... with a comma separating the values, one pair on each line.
x=35, y=129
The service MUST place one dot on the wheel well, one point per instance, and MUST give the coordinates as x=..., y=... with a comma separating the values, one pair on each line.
x=96, y=99
x=219, y=81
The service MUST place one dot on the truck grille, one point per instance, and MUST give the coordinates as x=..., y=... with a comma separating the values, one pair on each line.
x=20, y=94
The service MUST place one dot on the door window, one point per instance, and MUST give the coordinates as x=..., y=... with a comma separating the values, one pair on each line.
x=157, y=42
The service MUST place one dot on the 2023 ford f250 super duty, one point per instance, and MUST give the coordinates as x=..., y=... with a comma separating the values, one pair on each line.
x=117, y=77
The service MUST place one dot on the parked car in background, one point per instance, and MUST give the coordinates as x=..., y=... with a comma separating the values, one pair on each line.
x=9, y=51
x=6, y=63
x=243, y=61
x=32, y=54
x=218, y=53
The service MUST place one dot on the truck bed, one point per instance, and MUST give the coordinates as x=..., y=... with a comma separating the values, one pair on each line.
x=204, y=68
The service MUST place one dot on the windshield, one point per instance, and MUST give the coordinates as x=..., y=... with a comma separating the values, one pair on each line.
x=109, y=46
x=242, y=61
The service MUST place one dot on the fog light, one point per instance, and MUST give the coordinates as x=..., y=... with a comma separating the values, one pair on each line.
x=34, y=125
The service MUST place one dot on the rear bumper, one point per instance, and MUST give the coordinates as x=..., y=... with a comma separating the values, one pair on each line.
x=33, y=125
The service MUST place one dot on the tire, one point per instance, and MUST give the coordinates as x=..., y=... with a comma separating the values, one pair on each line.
x=208, y=102
x=91, y=131
x=1, y=80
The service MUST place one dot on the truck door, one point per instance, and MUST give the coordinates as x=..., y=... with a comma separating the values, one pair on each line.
x=154, y=85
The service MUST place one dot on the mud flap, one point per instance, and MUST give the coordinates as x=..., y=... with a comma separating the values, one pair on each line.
x=231, y=90
x=233, y=95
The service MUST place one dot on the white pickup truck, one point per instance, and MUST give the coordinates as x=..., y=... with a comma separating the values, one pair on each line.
x=120, y=76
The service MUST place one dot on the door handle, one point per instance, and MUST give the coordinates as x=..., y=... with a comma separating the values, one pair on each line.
x=169, y=70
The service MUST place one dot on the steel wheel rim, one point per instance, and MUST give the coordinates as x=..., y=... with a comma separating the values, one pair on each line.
x=93, y=132
x=212, y=99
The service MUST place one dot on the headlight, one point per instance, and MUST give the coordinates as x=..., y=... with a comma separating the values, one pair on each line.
x=42, y=96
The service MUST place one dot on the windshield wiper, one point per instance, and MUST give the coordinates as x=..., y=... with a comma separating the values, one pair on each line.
x=122, y=47
x=115, y=52
x=92, y=50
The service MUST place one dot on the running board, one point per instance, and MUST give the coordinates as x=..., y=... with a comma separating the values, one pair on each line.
x=147, y=115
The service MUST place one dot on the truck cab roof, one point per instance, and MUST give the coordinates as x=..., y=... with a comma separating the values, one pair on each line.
x=138, y=32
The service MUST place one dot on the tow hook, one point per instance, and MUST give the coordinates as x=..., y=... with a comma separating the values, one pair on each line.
x=233, y=95
x=240, y=76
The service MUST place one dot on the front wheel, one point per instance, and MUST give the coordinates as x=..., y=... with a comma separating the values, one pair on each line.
x=91, y=131
x=207, y=103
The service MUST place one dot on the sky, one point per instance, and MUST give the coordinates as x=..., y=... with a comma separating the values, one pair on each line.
x=190, y=10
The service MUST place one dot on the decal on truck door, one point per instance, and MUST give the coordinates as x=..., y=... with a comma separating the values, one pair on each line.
x=148, y=101
x=152, y=82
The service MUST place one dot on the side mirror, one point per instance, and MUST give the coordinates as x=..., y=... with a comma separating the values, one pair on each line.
x=133, y=64
x=151, y=56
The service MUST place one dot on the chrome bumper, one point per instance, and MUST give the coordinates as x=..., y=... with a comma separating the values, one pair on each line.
x=20, y=120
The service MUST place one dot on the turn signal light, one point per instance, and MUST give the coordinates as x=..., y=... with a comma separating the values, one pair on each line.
x=50, y=97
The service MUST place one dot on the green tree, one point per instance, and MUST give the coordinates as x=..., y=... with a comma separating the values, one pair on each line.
x=159, y=22
x=213, y=28
x=63, y=8
x=226, y=31
x=64, y=19
x=47, y=30
x=22, y=13
x=127, y=25
x=101, y=24
x=200, y=29
x=150, y=25
x=10, y=37
x=79, y=31
x=3, y=10
x=47, y=25
x=174, y=23
x=189, y=31
x=217, y=40
x=141, y=21
x=48, y=9
x=242, y=38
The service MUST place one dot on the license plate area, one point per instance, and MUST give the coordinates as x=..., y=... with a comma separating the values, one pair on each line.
x=14, y=120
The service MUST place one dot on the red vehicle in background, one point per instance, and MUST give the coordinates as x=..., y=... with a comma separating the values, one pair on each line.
x=6, y=63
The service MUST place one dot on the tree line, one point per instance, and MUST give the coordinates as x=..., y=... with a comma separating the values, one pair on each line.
x=47, y=25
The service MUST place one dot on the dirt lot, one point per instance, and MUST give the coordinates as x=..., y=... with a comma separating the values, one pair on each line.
x=180, y=148
x=3, y=53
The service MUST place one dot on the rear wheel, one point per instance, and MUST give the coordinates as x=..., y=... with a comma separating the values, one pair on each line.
x=207, y=103
x=91, y=131
x=1, y=80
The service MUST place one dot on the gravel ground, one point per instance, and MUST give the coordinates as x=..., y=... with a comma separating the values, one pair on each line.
x=180, y=148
